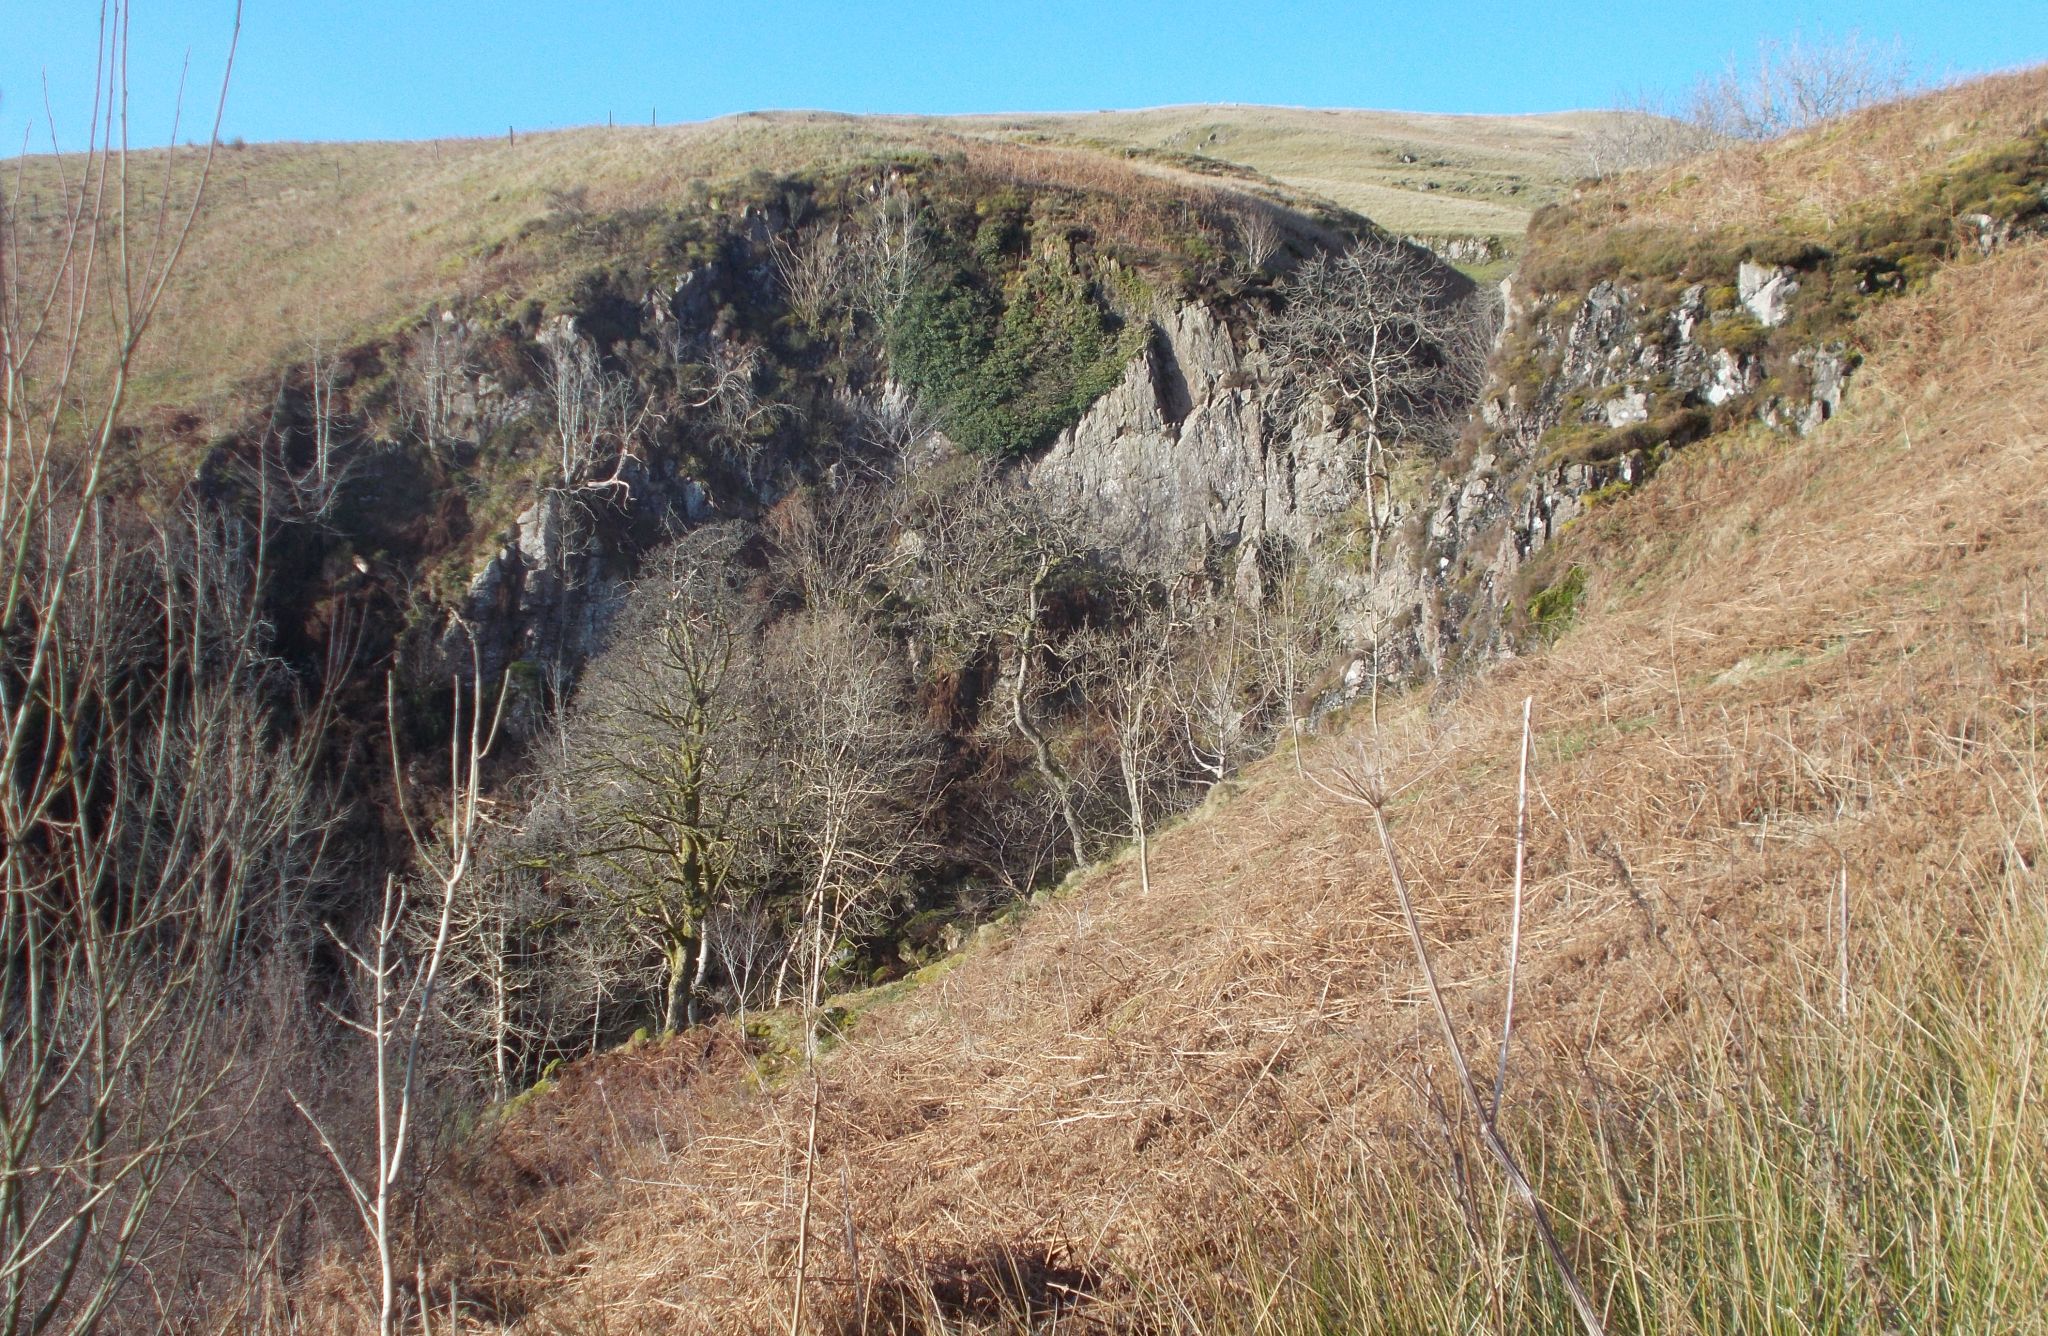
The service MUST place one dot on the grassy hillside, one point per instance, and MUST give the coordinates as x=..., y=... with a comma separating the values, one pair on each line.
x=1781, y=1010
x=346, y=242
x=1410, y=172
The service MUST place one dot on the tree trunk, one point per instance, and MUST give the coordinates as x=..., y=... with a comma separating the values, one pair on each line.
x=501, y=1012
x=672, y=1009
x=1041, y=752
x=1144, y=854
x=1134, y=793
x=703, y=965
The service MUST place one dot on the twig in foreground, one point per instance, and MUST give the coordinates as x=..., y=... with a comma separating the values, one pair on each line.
x=1365, y=791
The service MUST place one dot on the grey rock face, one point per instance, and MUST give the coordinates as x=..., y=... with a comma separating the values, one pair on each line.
x=1767, y=291
x=1598, y=339
x=1181, y=459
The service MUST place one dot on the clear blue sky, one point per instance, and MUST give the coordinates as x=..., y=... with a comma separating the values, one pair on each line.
x=358, y=69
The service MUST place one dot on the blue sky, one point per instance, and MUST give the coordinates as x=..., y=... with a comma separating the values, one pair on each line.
x=357, y=69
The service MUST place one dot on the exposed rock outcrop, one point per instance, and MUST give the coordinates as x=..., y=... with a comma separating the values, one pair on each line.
x=1184, y=458
x=1767, y=291
x=1194, y=455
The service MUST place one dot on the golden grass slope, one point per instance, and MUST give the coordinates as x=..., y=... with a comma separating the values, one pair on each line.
x=343, y=242
x=1796, y=661
x=1812, y=178
x=1411, y=172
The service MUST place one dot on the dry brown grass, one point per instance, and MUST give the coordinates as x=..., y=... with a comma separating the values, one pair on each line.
x=1812, y=178
x=1795, y=657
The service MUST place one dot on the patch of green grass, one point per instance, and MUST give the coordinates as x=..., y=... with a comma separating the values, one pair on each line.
x=1573, y=442
x=1552, y=608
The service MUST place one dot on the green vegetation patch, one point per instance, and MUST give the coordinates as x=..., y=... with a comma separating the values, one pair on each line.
x=1590, y=443
x=1552, y=608
x=1012, y=350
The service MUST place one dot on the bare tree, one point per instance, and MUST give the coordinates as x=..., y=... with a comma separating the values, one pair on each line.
x=323, y=372
x=598, y=419
x=1218, y=695
x=859, y=772
x=888, y=423
x=493, y=973
x=1295, y=628
x=160, y=825
x=666, y=765
x=159, y=803
x=981, y=560
x=833, y=547
x=719, y=385
x=1642, y=132
x=856, y=768
x=435, y=368
x=888, y=251
x=396, y=973
x=1394, y=340
x=1027, y=632
x=303, y=467
x=750, y=948
x=1797, y=83
x=1138, y=704
x=811, y=268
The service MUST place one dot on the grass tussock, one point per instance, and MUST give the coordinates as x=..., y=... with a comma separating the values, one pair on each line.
x=1875, y=1161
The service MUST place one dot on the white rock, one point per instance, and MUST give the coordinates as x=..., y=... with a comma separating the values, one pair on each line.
x=1628, y=407
x=1732, y=377
x=1767, y=291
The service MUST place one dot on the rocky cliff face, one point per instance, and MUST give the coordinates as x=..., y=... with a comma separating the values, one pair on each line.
x=1193, y=458
x=1188, y=457
x=1201, y=454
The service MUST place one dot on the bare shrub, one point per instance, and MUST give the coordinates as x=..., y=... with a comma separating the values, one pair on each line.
x=860, y=264
x=811, y=269
x=1642, y=133
x=1257, y=234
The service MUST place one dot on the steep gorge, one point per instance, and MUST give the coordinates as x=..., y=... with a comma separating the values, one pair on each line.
x=1028, y=473
x=1750, y=608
